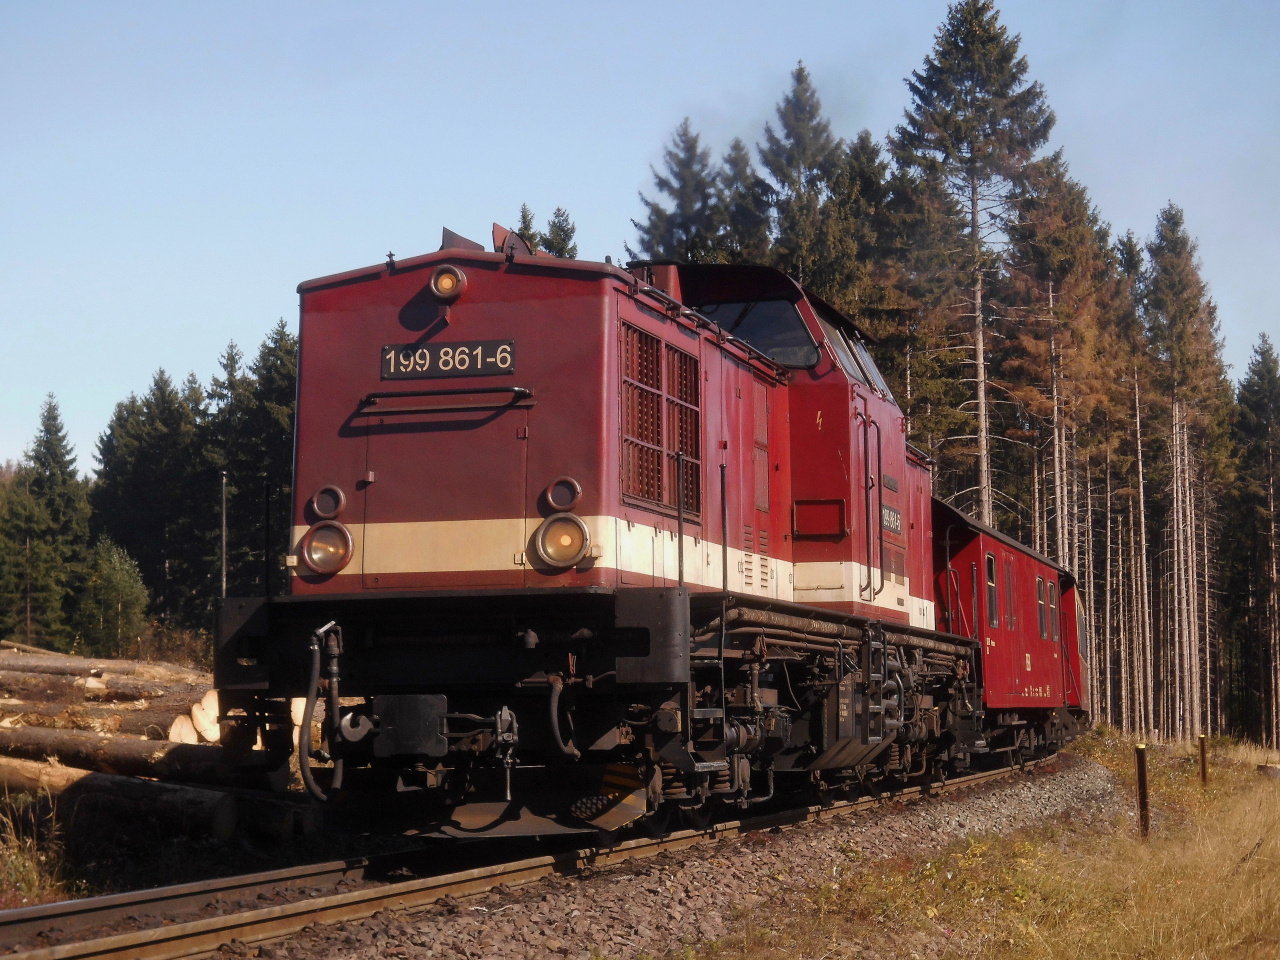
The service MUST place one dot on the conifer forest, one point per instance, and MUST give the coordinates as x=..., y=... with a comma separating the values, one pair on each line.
x=1068, y=382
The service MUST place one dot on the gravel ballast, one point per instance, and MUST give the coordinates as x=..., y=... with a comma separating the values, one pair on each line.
x=702, y=893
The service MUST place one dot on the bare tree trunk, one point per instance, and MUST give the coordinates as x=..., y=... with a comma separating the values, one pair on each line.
x=1126, y=653
x=1107, y=577
x=1074, y=499
x=1144, y=606
x=1090, y=578
x=985, y=498
x=1059, y=459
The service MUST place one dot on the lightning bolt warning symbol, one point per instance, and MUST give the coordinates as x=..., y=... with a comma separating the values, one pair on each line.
x=819, y=419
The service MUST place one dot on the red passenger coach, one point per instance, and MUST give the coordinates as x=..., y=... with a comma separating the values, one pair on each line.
x=1022, y=608
x=576, y=546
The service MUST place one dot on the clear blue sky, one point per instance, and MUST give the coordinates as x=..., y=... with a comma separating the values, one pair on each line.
x=169, y=172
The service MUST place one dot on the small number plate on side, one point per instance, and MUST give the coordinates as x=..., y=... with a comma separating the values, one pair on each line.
x=466, y=358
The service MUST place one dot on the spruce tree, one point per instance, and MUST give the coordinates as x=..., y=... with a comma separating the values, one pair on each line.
x=46, y=527
x=526, y=230
x=687, y=231
x=800, y=157
x=976, y=121
x=112, y=611
x=742, y=209
x=271, y=423
x=33, y=579
x=856, y=237
x=1251, y=578
x=157, y=495
x=57, y=484
x=558, y=240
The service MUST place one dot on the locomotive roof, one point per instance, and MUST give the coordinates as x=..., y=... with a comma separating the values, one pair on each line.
x=705, y=281
x=978, y=526
x=417, y=263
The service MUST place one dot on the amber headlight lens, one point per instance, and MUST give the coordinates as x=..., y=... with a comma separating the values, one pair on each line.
x=326, y=548
x=562, y=540
x=448, y=282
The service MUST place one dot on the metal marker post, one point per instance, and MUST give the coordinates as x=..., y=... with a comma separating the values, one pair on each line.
x=1144, y=805
x=1204, y=763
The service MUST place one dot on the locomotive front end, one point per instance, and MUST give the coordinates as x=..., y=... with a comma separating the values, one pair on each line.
x=452, y=611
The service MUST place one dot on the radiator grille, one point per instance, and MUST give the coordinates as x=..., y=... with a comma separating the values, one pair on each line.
x=661, y=416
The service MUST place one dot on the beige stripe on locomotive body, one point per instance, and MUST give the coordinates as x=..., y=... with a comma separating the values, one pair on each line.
x=455, y=546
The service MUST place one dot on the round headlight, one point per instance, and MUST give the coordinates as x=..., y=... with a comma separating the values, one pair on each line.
x=563, y=493
x=328, y=501
x=326, y=547
x=562, y=540
x=448, y=282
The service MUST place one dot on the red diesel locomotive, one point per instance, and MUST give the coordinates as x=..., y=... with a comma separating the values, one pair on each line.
x=576, y=546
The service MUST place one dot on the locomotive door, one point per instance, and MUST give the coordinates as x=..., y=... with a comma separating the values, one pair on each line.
x=445, y=490
x=1014, y=632
x=868, y=494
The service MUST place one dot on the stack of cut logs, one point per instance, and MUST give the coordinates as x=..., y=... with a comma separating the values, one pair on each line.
x=119, y=742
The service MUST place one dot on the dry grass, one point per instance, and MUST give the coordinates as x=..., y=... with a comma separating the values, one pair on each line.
x=32, y=858
x=1206, y=885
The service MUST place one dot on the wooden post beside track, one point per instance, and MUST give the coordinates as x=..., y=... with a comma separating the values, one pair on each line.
x=1204, y=763
x=1144, y=805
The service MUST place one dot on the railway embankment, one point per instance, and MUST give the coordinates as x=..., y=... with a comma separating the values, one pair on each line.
x=1076, y=882
x=721, y=898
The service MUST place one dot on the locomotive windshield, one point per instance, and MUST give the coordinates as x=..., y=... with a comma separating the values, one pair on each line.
x=773, y=327
x=849, y=348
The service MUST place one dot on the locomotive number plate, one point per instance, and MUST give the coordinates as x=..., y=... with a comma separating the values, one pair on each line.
x=890, y=519
x=465, y=358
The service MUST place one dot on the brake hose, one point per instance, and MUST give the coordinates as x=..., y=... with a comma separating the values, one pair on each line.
x=308, y=716
x=568, y=749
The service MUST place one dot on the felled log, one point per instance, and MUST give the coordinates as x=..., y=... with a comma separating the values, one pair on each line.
x=38, y=686
x=182, y=730
x=85, y=796
x=204, y=717
x=193, y=763
x=109, y=688
x=61, y=664
x=149, y=719
x=14, y=645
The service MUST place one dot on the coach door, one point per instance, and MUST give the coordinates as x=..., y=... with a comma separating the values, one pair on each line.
x=445, y=485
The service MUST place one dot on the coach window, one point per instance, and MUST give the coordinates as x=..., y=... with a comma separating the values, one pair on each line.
x=993, y=599
x=1044, y=620
x=1053, y=611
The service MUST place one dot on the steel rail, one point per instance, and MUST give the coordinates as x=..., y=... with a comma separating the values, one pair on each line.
x=198, y=938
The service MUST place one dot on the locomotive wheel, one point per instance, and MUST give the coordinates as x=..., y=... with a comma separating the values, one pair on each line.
x=657, y=824
x=697, y=818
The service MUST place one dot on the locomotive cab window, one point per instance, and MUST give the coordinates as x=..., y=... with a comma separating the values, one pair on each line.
x=840, y=347
x=774, y=327
x=993, y=596
x=1053, y=612
x=864, y=355
x=1044, y=619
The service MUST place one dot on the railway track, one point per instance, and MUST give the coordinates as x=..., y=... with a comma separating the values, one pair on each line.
x=200, y=937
